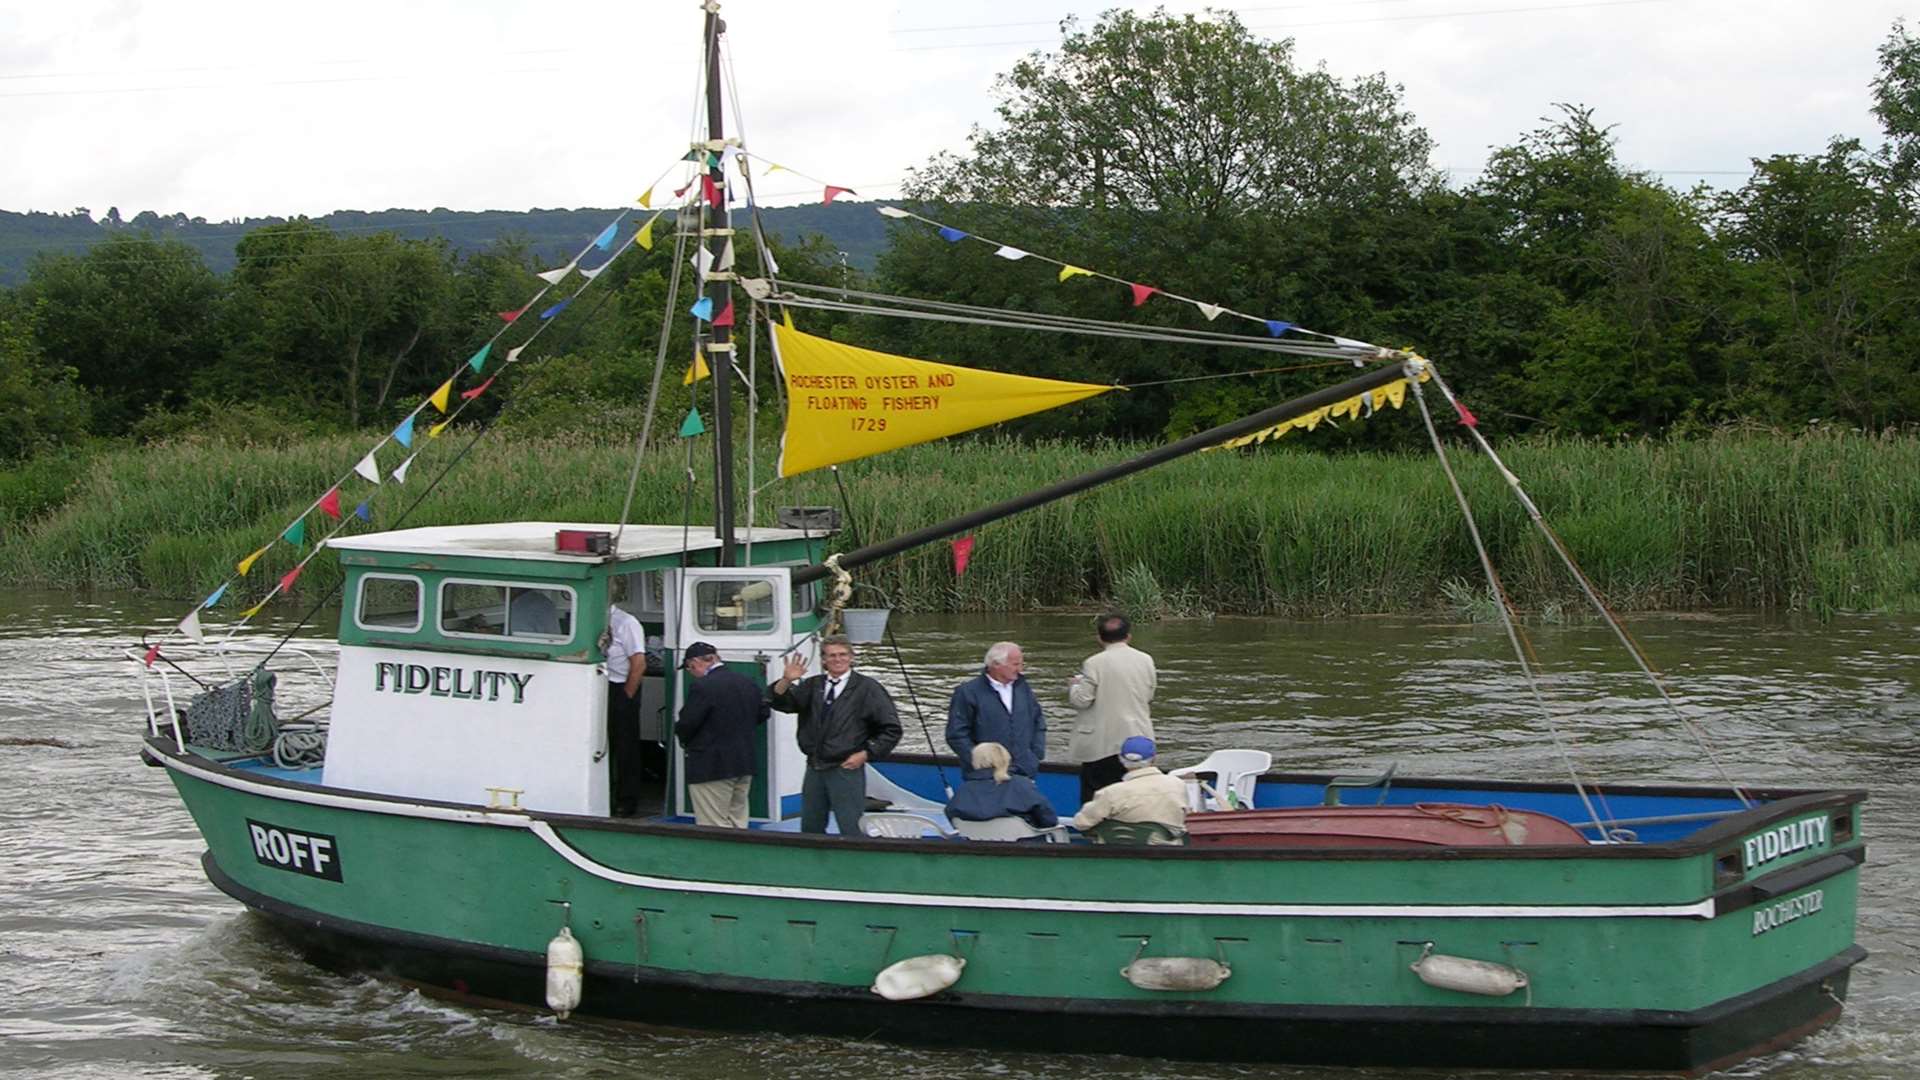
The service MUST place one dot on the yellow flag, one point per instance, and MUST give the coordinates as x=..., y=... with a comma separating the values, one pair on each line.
x=645, y=239
x=646, y=198
x=440, y=396
x=845, y=403
x=1394, y=394
x=697, y=370
x=1073, y=271
x=255, y=609
x=246, y=564
x=771, y=169
x=434, y=431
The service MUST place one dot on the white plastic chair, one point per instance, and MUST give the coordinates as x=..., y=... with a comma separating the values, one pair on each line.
x=902, y=826
x=1007, y=828
x=1236, y=771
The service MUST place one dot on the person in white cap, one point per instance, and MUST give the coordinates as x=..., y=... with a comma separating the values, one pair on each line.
x=1144, y=794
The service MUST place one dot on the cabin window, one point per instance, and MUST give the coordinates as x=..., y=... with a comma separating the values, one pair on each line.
x=646, y=595
x=388, y=603
x=804, y=597
x=500, y=609
x=740, y=605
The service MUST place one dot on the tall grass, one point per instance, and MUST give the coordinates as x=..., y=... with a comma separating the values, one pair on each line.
x=1821, y=523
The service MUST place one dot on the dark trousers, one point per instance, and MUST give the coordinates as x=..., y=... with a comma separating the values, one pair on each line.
x=1095, y=775
x=844, y=791
x=623, y=748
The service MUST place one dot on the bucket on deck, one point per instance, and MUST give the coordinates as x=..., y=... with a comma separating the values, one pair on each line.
x=864, y=626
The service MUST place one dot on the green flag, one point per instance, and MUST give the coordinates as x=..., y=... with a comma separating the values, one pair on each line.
x=692, y=425
x=296, y=533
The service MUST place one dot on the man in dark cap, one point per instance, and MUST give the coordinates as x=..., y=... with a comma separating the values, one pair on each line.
x=716, y=728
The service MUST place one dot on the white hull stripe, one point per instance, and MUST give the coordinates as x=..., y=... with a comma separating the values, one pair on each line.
x=398, y=808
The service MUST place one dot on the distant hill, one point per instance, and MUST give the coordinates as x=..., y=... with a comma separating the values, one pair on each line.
x=852, y=227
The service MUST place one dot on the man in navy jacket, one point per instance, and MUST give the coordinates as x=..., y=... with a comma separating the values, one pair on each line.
x=716, y=727
x=998, y=707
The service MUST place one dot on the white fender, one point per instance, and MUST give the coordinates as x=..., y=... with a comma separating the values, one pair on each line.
x=1176, y=973
x=565, y=961
x=918, y=976
x=1467, y=976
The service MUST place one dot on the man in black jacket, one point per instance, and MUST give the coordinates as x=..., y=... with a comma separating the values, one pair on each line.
x=716, y=726
x=846, y=720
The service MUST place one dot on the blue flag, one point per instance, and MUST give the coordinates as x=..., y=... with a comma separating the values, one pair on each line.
x=703, y=309
x=951, y=235
x=363, y=512
x=605, y=239
x=1275, y=327
x=215, y=598
x=404, y=433
x=556, y=309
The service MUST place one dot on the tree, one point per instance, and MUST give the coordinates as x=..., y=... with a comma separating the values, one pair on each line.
x=41, y=404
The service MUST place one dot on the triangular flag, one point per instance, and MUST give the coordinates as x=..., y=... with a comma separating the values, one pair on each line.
x=404, y=433
x=696, y=371
x=682, y=189
x=1275, y=327
x=153, y=653
x=440, y=397
x=330, y=503
x=1141, y=292
x=513, y=354
x=252, y=611
x=772, y=266
x=645, y=239
x=893, y=211
x=1011, y=254
x=434, y=431
x=509, y=316
x=400, y=473
x=469, y=395
x=702, y=261
x=725, y=318
x=951, y=235
x=190, y=626
x=556, y=309
x=702, y=308
x=833, y=191
x=287, y=579
x=1211, y=311
x=692, y=426
x=725, y=261
x=711, y=190
x=605, y=239
x=695, y=154
x=364, y=512
x=593, y=273
x=552, y=277
x=1466, y=417
x=296, y=533
x=215, y=598
x=246, y=564
x=1074, y=271
x=962, y=554
x=479, y=359
x=369, y=469
x=646, y=198
x=773, y=168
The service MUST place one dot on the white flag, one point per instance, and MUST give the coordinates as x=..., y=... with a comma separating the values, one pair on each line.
x=190, y=626
x=726, y=256
x=369, y=468
x=1012, y=254
x=702, y=261
x=772, y=267
x=400, y=473
x=893, y=211
x=593, y=273
x=552, y=277
x=514, y=353
x=1211, y=311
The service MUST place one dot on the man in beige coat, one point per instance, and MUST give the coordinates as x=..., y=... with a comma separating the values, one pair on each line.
x=1112, y=696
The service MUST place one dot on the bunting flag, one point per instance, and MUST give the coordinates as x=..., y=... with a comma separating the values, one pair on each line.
x=1466, y=417
x=892, y=212
x=469, y=395
x=962, y=554
x=210, y=601
x=440, y=397
x=595, y=272
x=702, y=261
x=287, y=579
x=646, y=199
x=556, y=309
x=697, y=370
x=725, y=261
x=400, y=473
x=153, y=653
x=404, y=433
x=1141, y=292
x=479, y=359
x=645, y=237
x=681, y=191
x=605, y=239
x=772, y=266
x=296, y=533
x=711, y=190
x=1275, y=327
x=369, y=469
x=1074, y=271
x=1011, y=254
x=774, y=168
x=364, y=511
x=692, y=426
x=695, y=154
x=434, y=431
x=254, y=610
x=190, y=626
x=513, y=354
x=1356, y=407
x=552, y=277
x=702, y=309
x=1211, y=311
x=833, y=191
x=246, y=564
x=725, y=318
x=951, y=235
x=509, y=316
x=330, y=503
x=834, y=414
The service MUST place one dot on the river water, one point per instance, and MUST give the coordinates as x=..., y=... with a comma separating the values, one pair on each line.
x=117, y=957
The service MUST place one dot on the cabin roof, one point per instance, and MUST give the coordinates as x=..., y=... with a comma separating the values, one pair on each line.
x=534, y=540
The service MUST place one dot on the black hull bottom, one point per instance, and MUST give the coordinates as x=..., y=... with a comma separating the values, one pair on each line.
x=1622, y=1040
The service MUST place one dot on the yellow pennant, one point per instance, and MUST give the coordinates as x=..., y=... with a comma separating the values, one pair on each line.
x=1394, y=394
x=646, y=198
x=1073, y=271
x=645, y=239
x=246, y=564
x=434, y=431
x=441, y=396
x=845, y=403
x=697, y=370
x=255, y=609
x=771, y=169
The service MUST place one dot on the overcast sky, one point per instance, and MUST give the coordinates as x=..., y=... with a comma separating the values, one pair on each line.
x=223, y=108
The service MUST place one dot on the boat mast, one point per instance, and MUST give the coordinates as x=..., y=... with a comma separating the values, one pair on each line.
x=719, y=292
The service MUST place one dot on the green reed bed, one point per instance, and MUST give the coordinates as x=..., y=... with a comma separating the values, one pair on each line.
x=1815, y=523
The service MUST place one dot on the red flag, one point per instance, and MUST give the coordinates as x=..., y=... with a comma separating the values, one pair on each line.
x=712, y=189
x=509, y=316
x=725, y=318
x=1141, y=292
x=681, y=191
x=962, y=552
x=287, y=579
x=832, y=191
x=153, y=653
x=330, y=503
x=469, y=395
x=1465, y=416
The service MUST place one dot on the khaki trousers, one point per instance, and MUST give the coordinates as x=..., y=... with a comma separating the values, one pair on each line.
x=721, y=802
